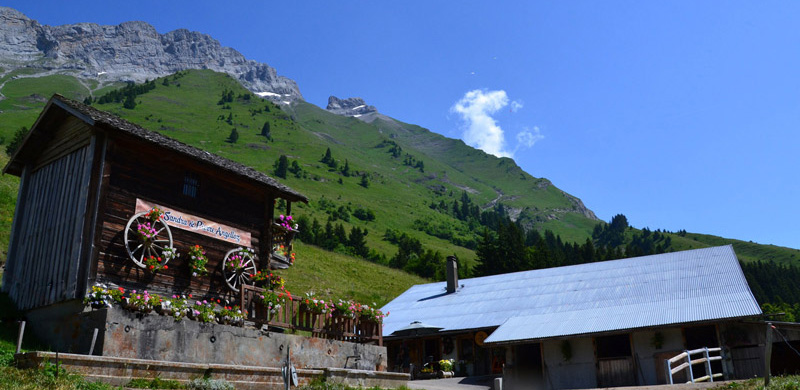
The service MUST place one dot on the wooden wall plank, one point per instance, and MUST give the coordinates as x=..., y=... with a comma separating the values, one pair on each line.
x=47, y=230
x=14, y=262
x=68, y=135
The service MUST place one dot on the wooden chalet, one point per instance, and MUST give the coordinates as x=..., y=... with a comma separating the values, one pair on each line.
x=88, y=178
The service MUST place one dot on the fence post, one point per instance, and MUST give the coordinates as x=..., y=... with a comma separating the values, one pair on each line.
x=768, y=354
x=669, y=370
x=689, y=361
x=20, y=335
x=708, y=365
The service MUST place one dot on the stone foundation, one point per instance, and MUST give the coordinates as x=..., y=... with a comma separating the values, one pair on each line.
x=119, y=371
x=126, y=334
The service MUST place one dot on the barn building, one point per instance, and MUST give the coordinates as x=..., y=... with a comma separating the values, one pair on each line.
x=601, y=324
x=86, y=173
x=90, y=182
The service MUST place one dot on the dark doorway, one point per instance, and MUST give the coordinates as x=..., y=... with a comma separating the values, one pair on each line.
x=701, y=337
x=527, y=370
x=615, y=361
x=432, y=351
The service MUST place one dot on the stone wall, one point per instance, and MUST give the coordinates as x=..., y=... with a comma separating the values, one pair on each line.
x=125, y=334
x=119, y=371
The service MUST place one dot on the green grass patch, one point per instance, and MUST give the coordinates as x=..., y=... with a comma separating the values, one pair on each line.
x=333, y=275
x=789, y=382
x=320, y=384
x=155, y=383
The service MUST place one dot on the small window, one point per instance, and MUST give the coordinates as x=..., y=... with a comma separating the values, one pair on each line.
x=190, y=185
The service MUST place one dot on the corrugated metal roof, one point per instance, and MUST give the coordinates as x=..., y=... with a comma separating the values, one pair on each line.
x=670, y=288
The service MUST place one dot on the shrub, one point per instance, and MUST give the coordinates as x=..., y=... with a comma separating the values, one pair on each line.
x=209, y=384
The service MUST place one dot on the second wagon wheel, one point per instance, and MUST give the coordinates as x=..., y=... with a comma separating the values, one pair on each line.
x=237, y=267
x=151, y=243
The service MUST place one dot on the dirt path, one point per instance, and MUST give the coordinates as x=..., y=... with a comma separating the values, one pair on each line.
x=468, y=383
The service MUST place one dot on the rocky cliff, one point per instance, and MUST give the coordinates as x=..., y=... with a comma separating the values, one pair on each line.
x=131, y=51
x=349, y=107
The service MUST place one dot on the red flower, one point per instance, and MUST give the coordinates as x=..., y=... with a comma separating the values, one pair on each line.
x=190, y=295
x=151, y=267
x=165, y=266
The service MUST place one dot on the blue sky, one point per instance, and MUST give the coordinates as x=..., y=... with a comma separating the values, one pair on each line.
x=680, y=114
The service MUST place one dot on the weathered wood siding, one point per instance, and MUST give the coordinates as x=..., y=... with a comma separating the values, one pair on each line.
x=68, y=136
x=44, y=254
x=616, y=372
x=134, y=170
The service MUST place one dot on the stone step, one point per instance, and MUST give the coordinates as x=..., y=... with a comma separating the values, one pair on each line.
x=119, y=371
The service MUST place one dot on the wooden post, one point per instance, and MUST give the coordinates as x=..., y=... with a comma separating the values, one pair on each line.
x=768, y=354
x=94, y=339
x=19, y=337
x=266, y=235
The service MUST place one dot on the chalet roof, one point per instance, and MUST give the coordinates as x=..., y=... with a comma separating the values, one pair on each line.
x=113, y=123
x=665, y=289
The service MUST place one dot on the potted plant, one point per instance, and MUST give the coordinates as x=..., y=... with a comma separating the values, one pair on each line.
x=203, y=311
x=272, y=301
x=446, y=368
x=101, y=296
x=198, y=260
x=142, y=302
x=267, y=280
x=344, y=308
x=231, y=315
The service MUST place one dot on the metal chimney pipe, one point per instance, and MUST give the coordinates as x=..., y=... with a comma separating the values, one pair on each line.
x=452, y=274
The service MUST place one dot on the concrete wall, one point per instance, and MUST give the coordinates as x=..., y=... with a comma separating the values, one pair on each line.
x=66, y=328
x=161, y=338
x=651, y=357
x=577, y=373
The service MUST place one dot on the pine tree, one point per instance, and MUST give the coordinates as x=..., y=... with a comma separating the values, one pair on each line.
x=327, y=158
x=265, y=131
x=281, y=166
x=130, y=102
x=346, y=169
x=234, y=136
x=364, y=181
x=19, y=135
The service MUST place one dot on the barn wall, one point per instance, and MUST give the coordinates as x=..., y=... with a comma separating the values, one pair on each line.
x=577, y=373
x=45, y=250
x=650, y=358
x=136, y=171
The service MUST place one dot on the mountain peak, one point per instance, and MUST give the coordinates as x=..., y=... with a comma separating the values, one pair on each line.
x=353, y=106
x=130, y=51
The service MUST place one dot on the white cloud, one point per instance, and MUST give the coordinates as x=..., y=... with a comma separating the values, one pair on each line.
x=481, y=130
x=515, y=106
x=527, y=138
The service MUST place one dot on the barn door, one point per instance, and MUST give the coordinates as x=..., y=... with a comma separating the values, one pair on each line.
x=615, y=365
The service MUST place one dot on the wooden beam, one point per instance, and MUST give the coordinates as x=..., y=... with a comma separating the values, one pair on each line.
x=768, y=354
x=266, y=236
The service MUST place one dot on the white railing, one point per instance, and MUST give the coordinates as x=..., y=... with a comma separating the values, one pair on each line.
x=688, y=362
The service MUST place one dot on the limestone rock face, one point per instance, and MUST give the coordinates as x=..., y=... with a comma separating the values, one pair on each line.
x=131, y=51
x=349, y=107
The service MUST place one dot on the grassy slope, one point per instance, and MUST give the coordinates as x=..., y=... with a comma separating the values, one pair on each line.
x=345, y=276
x=187, y=110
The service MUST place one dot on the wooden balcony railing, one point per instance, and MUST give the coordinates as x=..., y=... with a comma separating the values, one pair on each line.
x=292, y=315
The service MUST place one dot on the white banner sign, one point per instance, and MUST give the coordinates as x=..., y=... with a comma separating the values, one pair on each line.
x=198, y=225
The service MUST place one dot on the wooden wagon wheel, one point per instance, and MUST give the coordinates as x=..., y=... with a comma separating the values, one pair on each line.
x=140, y=248
x=237, y=267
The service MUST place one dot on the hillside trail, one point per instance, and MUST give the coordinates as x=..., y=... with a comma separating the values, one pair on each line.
x=495, y=200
